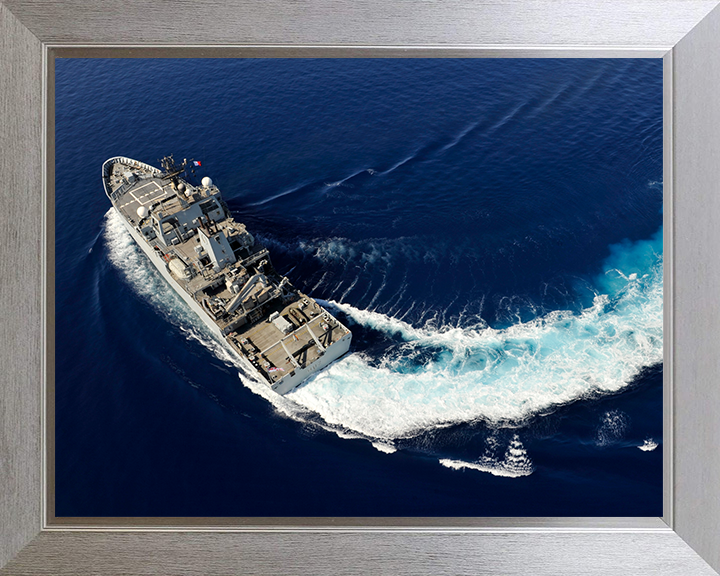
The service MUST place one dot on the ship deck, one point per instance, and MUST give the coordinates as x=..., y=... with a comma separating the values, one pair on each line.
x=274, y=354
x=273, y=349
x=146, y=192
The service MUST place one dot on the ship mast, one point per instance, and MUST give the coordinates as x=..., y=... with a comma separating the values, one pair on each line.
x=173, y=170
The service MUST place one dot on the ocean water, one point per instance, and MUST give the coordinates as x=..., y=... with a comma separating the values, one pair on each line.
x=489, y=229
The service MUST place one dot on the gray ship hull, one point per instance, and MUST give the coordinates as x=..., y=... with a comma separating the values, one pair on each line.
x=281, y=378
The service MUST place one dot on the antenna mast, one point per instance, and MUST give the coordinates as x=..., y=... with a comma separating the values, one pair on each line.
x=172, y=170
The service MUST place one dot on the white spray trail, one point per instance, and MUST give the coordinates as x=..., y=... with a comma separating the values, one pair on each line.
x=442, y=376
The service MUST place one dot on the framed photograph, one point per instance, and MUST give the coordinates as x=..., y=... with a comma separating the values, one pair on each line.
x=585, y=272
x=494, y=250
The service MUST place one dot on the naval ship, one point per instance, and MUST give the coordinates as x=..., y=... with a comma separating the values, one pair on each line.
x=280, y=335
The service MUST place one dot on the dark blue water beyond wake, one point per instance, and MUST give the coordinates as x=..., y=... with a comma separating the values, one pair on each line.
x=490, y=230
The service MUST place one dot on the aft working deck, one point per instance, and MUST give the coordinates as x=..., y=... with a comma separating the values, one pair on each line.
x=275, y=353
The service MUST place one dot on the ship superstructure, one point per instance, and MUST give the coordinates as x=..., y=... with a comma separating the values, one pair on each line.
x=226, y=277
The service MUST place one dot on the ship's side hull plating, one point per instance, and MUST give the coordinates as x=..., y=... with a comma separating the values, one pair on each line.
x=280, y=354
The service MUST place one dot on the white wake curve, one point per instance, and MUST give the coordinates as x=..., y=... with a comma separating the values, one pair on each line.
x=442, y=376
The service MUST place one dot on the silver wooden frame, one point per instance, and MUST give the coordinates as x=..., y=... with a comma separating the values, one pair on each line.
x=686, y=33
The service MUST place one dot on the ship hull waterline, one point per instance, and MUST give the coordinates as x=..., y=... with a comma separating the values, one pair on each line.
x=334, y=352
x=297, y=370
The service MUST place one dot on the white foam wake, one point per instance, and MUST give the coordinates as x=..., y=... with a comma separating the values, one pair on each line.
x=648, y=445
x=134, y=266
x=441, y=376
x=494, y=375
x=515, y=464
x=437, y=377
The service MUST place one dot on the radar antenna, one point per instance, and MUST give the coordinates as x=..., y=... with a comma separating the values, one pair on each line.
x=172, y=169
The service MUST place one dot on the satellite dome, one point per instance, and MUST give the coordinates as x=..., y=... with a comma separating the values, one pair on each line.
x=181, y=186
x=142, y=211
x=206, y=181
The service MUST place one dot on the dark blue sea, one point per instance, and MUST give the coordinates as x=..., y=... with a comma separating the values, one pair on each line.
x=489, y=229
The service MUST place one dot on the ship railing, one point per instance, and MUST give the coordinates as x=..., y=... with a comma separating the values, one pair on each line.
x=137, y=164
x=250, y=260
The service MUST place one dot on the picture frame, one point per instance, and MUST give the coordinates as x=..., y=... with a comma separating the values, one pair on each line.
x=686, y=540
